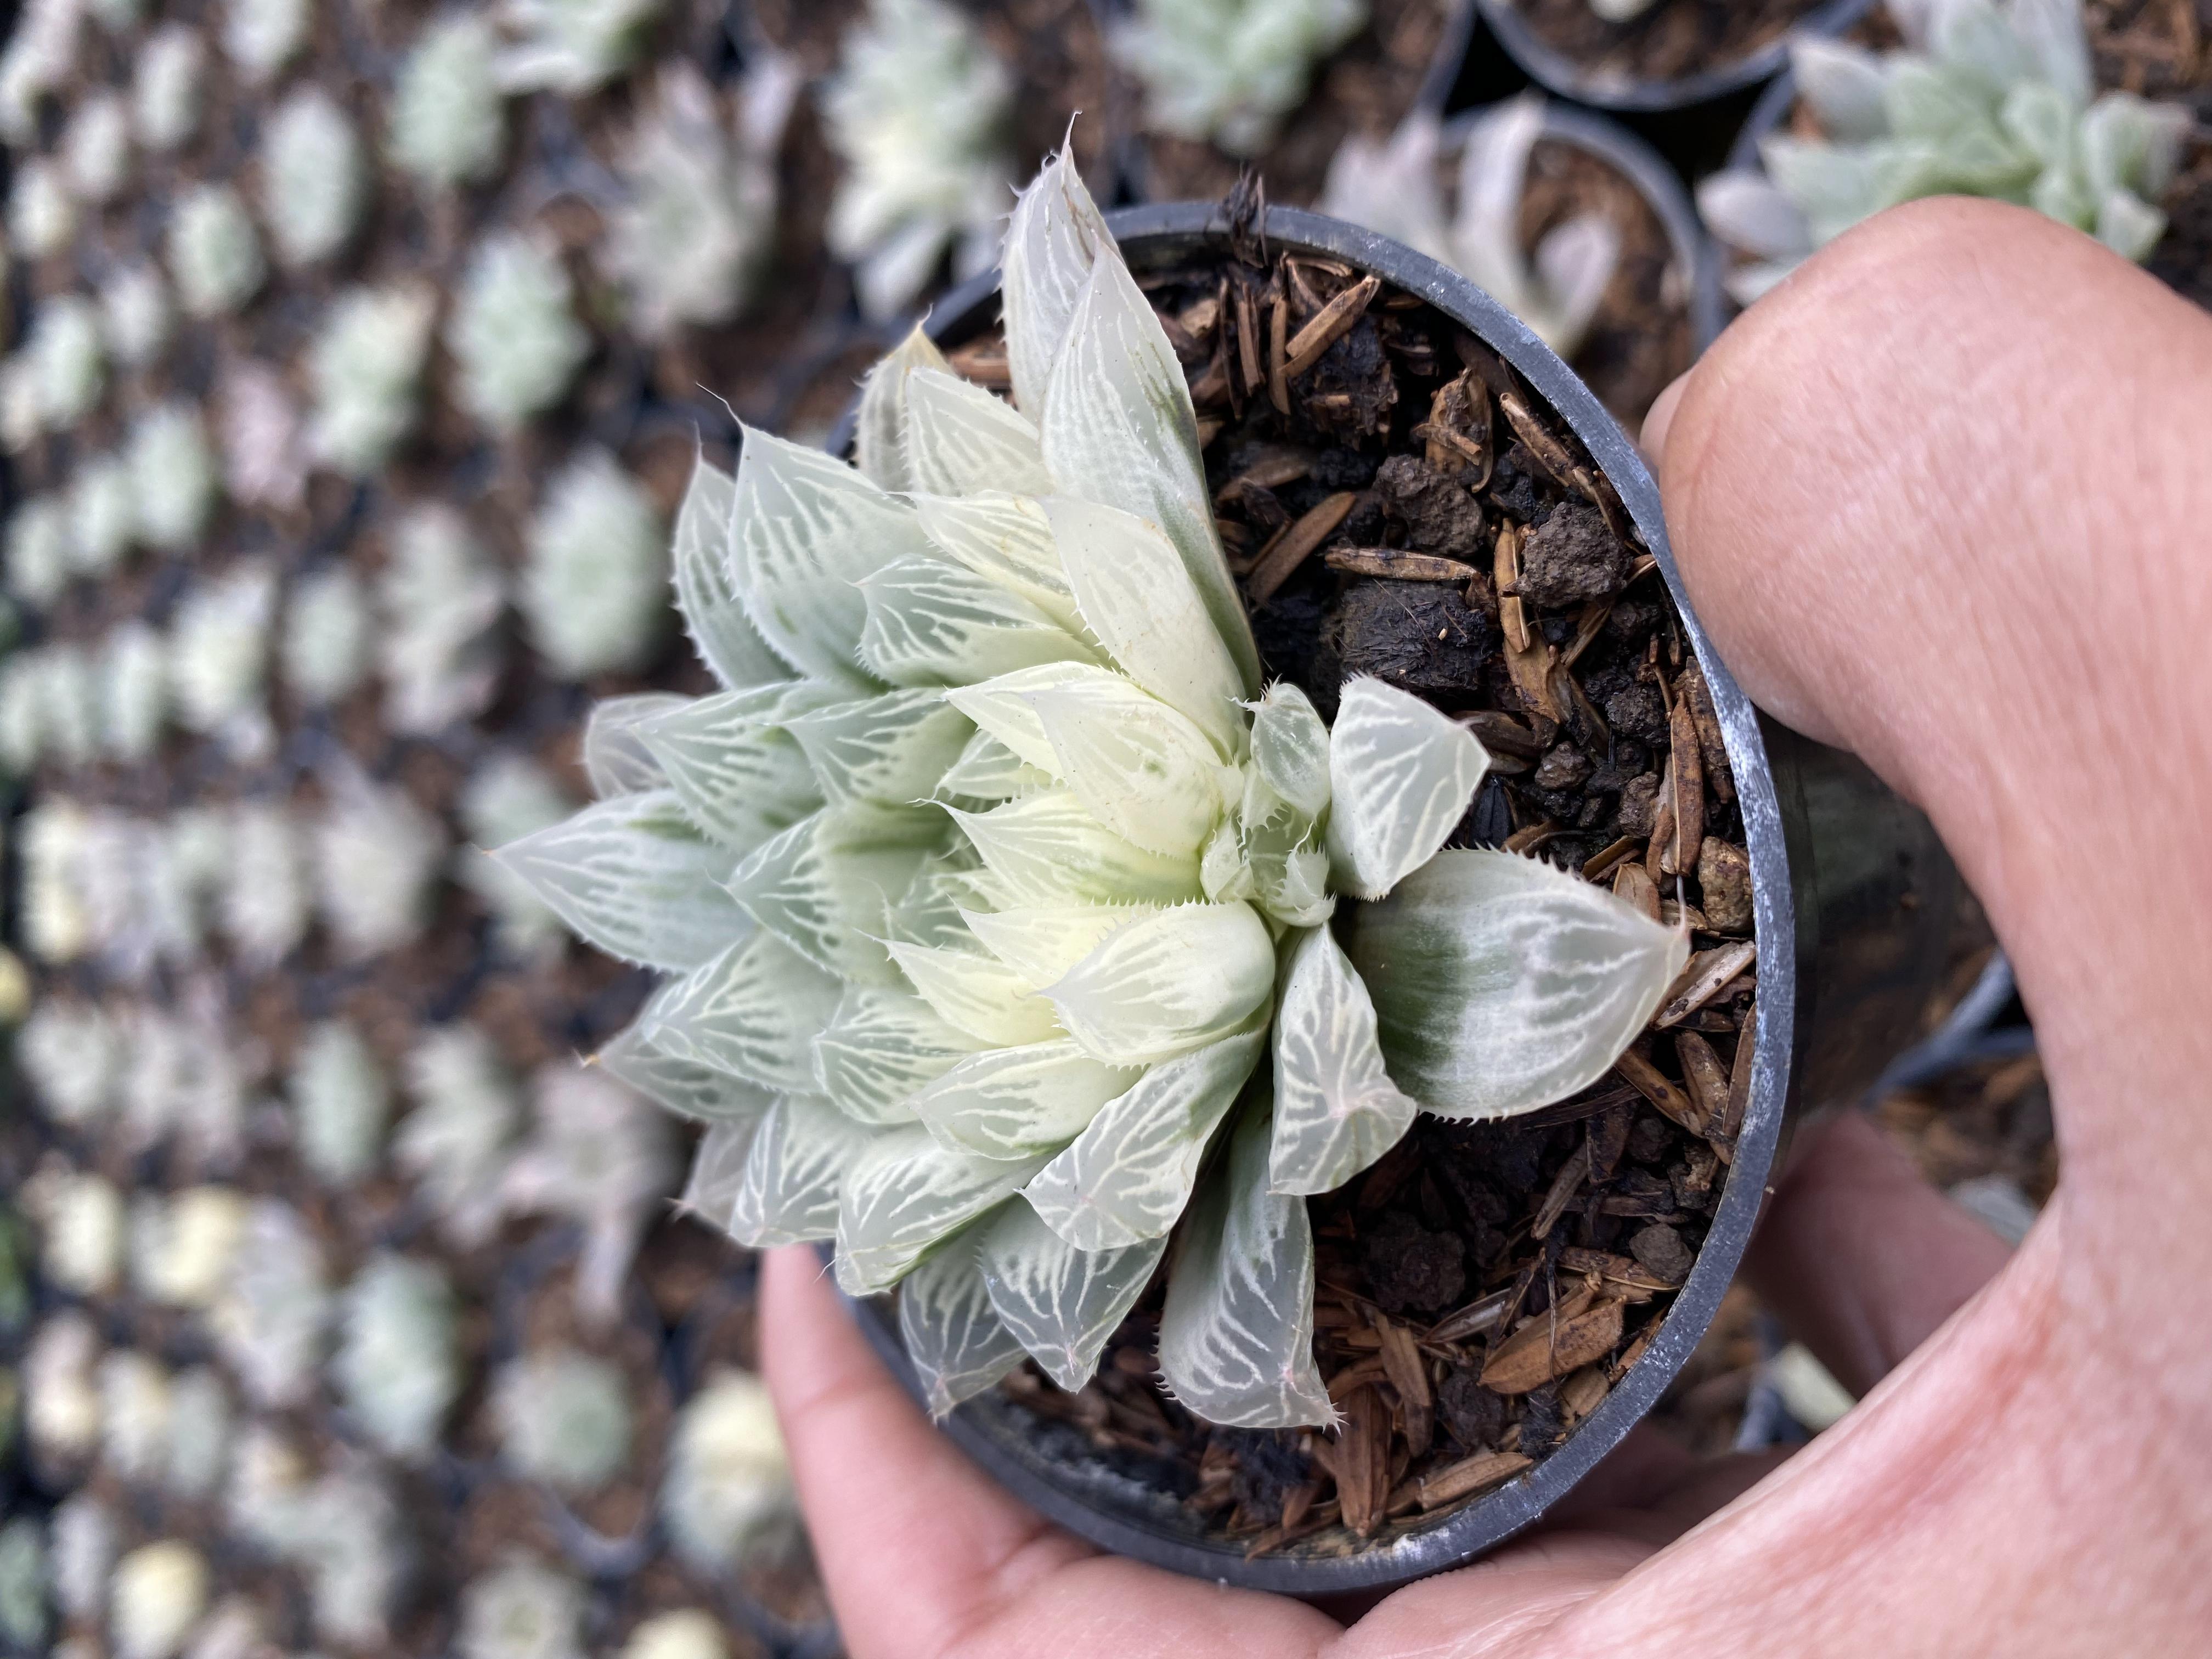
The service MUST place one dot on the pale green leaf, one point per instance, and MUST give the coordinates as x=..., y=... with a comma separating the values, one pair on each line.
x=616, y=758
x=1042, y=943
x=740, y=773
x=795, y=1173
x=1167, y=984
x=1501, y=985
x=987, y=772
x=880, y=436
x=929, y=911
x=1006, y=539
x=1401, y=775
x=977, y=994
x=1290, y=749
x=1054, y=237
x=1142, y=770
x=1224, y=873
x=1017, y=1103
x=960, y=439
x=1336, y=1109
x=889, y=750
x=1001, y=707
x=718, y=1171
x=683, y=1086
x=753, y=1011
x=930, y=622
x=1047, y=849
x=1841, y=83
x=706, y=591
x=906, y=1192
x=1060, y=1303
x=952, y=1335
x=882, y=1046
x=826, y=885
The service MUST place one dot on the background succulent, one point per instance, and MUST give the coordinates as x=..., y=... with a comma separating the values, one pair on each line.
x=522, y=1610
x=103, y=514
x=63, y=362
x=564, y=1417
x=95, y=146
x=326, y=642
x=514, y=331
x=507, y=797
x=376, y=858
x=61, y=1400
x=219, y=656
x=85, y=1541
x=466, y=1109
x=399, y=1363
x=686, y=1633
x=265, y=904
x=569, y=46
x=314, y=176
x=265, y=458
x=165, y=86
x=352, y=1541
x=81, y=1230
x=447, y=123
x=39, y=550
x=200, y=1429
x=341, y=1104
x=728, y=1480
x=189, y=1244
x=272, y=1318
x=1228, y=71
x=214, y=253
x=173, y=478
x=441, y=596
x=366, y=367
x=594, y=590
x=23, y=1577
x=134, y=312
x=160, y=1591
x=261, y=36
x=42, y=213
x=134, y=1414
x=56, y=927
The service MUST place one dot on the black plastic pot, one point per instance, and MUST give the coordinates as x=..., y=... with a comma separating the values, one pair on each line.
x=1852, y=895
x=1551, y=68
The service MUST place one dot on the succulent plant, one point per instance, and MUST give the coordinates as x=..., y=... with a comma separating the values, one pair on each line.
x=154, y=1081
x=39, y=550
x=514, y=331
x=62, y=362
x=233, y=1629
x=55, y=924
x=377, y=857
x=41, y=54
x=264, y=450
x=219, y=656
x=341, y=1104
x=42, y=213
x=272, y=1316
x=103, y=507
x=564, y=1417
x=95, y=146
x=366, y=369
x=134, y=311
x=22, y=740
x=261, y=36
x=84, y=1542
x=106, y=870
x=692, y=237
x=686, y=1633
x=1994, y=98
x=314, y=176
x=918, y=112
x=200, y=1420
x=160, y=1591
x=269, y=1487
x=134, y=678
x=351, y=1538
x=440, y=596
x=134, y=1413
x=1230, y=70
x=398, y=1362
x=187, y=867
x=1125, y=886
x=265, y=904
x=570, y=46
x=599, y=1156
x=326, y=647
x=594, y=590
x=173, y=478
x=454, y=1141
x=1393, y=187
x=447, y=121
x=728, y=1480
x=185, y=1246
x=80, y=1220
x=118, y=16
x=165, y=87
x=213, y=254
x=61, y=1402
x=23, y=1575
x=507, y=797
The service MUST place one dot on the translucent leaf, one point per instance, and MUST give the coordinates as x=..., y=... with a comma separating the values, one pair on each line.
x=988, y=771
x=930, y=622
x=740, y=773
x=1925, y=101
x=1842, y=83
x=1236, y=1332
x=809, y=530
x=2129, y=226
x=1054, y=237
x=879, y=437
x=1575, y=263
x=1836, y=188
x=616, y=758
x=632, y=877
x=1979, y=47
x=882, y=1046
x=2053, y=33
x=903, y=1194
x=795, y=1173
x=1001, y=707
x=1016, y=1103
x=2129, y=143
x=930, y=912
x=1502, y=984
x=706, y=592
x=952, y=1335
x=1142, y=769
x=960, y=439
x=753, y=1012
x=2038, y=119
x=1129, y=584
x=890, y=751
x=1222, y=871
x=1169, y=983
x=1336, y=1109
x=1750, y=213
x=826, y=885
x=1059, y=1302
x=1047, y=849
x=977, y=994
x=1042, y=943
x=1006, y=539
x=683, y=1086
x=1493, y=175
x=1401, y=775
x=1290, y=749
x=1748, y=284
x=1128, y=1177
x=718, y=1171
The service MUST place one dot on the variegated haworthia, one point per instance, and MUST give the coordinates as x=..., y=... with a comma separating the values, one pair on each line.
x=992, y=887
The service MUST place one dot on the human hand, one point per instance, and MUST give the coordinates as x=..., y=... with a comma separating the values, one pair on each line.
x=1945, y=500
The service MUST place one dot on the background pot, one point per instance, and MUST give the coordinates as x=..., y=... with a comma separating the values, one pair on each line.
x=1852, y=895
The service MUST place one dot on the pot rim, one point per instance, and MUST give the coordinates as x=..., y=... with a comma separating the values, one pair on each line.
x=1508, y=1509
x=1554, y=69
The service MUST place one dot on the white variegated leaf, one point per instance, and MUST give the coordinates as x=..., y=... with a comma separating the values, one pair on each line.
x=1142, y=770
x=1059, y=1302
x=1292, y=884
x=1130, y=586
x=1047, y=849
x=1236, y=1331
x=683, y=1087
x=1336, y=1109
x=930, y=622
x=706, y=590
x=883, y=1046
x=1017, y=1103
x=795, y=1173
x=1168, y=984
x=1128, y=1177
x=880, y=436
x=931, y=910
x=977, y=994
x=952, y=1335
x=616, y=758
x=904, y=1193
x=633, y=878
x=1400, y=777
x=826, y=885
x=1006, y=539
x=740, y=773
x=1054, y=237
x=1001, y=707
x=1222, y=871
x=809, y=530
x=718, y=1171
x=1501, y=985
x=1290, y=750
x=753, y=1012
x=1041, y=943
x=890, y=751
x=1118, y=429
x=960, y=439
x=988, y=771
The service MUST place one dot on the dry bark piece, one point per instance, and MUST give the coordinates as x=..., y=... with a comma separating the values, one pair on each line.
x=1253, y=364
x=1501, y=734
x=1708, y=973
x=1477, y=1473
x=1296, y=543
x=1409, y=1376
x=1398, y=566
x=1694, y=690
x=1565, y=1185
x=1632, y=884
x=1474, y=1320
x=1269, y=469
x=1705, y=1076
x=1687, y=798
x=1547, y=1348
x=985, y=364
x=1329, y=325
x=1657, y=1088
x=1363, y=1461
x=1458, y=430
x=1584, y=1393
x=1279, y=323
x=1594, y=868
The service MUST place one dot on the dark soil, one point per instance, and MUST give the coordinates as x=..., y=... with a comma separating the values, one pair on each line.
x=1672, y=41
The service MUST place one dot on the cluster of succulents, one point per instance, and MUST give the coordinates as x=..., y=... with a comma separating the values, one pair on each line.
x=1230, y=70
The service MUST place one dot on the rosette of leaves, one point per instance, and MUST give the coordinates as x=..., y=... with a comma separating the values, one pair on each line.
x=454, y=1141
x=594, y=589
x=42, y=213
x=729, y=1481
x=265, y=905
x=514, y=332
x=134, y=313
x=564, y=1417
x=60, y=367
x=85, y=1542
x=39, y=550
x=377, y=856
x=341, y=1103
x=1393, y=186
x=219, y=656
x=314, y=176
x=165, y=87
x=1228, y=71
x=570, y=46
x=1994, y=98
x=173, y=478
x=995, y=889
x=160, y=1591
x=95, y=146
x=507, y=797
x=686, y=1633
x=61, y=1399
x=213, y=252
x=261, y=36
x=366, y=367
x=439, y=598
x=273, y=1317
x=398, y=1365
x=447, y=123
x=522, y=1610
x=324, y=648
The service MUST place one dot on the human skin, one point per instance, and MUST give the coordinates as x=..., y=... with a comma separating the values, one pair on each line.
x=1944, y=499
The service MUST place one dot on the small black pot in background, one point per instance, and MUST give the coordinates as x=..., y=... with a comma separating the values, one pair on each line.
x=1852, y=895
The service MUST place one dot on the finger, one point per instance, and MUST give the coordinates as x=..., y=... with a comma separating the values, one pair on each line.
x=1860, y=1257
